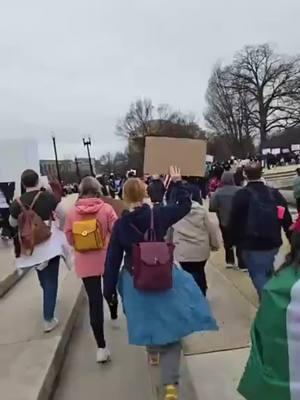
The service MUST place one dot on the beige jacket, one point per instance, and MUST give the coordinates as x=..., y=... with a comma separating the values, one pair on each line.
x=195, y=235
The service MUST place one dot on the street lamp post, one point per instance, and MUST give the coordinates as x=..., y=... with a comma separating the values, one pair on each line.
x=87, y=143
x=77, y=169
x=56, y=159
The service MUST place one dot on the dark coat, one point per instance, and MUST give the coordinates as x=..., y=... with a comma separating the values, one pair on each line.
x=156, y=191
x=124, y=235
x=239, y=218
x=8, y=189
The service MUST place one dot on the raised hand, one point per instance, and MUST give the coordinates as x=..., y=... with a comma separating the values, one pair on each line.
x=175, y=174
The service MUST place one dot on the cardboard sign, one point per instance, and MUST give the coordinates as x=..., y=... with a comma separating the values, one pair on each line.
x=187, y=154
x=209, y=158
x=276, y=151
x=118, y=205
x=266, y=151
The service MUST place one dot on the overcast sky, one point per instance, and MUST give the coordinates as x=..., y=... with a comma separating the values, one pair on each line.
x=74, y=66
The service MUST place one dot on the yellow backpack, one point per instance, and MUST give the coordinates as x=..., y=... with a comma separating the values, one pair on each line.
x=88, y=235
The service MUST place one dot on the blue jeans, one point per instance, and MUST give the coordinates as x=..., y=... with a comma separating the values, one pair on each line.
x=48, y=278
x=260, y=265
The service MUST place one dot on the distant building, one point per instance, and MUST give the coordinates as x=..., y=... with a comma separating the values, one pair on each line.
x=48, y=167
x=84, y=165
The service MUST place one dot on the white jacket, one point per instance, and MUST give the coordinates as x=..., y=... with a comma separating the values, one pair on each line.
x=195, y=235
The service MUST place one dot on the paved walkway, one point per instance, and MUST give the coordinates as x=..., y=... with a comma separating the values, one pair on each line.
x=126, y=377
x=129, y=376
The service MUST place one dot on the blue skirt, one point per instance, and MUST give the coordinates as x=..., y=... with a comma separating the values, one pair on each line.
x=159, y=318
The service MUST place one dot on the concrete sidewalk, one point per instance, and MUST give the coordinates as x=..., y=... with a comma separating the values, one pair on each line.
x=30, y=359
x=128, y=374
x=126, y=377
x=9, y=276
x=217, y=375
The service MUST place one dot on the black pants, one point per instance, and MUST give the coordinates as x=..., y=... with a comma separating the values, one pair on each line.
x=298, y=204
x=93, y=287
x=229, y=250
x=203, y=187
x=6, y=229
x=197, y=270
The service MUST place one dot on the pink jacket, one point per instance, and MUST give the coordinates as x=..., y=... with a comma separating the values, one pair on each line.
x=90, y=263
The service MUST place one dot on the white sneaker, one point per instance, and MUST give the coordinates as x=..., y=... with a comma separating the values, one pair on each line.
x=103, y=355
x=230, y=266
x=50, y=325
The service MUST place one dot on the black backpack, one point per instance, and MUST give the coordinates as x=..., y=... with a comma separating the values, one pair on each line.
x=263, y=222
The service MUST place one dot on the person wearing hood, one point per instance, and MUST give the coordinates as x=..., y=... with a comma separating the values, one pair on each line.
x=194, y=237
x=156, y=190
x=221, y=203
x=91, y=210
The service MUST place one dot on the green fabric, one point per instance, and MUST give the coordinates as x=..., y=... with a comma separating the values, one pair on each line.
x=266, y=375
x=297, y=188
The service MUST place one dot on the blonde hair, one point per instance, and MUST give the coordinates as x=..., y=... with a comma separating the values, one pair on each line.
x=90, y=187
x=134, y=191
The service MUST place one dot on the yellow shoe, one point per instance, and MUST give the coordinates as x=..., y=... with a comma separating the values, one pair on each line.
x=171, y=393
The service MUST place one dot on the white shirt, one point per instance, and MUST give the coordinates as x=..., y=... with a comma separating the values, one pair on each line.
x=3, y=202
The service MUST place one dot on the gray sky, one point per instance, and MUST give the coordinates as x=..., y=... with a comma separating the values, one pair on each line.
x=74, y=66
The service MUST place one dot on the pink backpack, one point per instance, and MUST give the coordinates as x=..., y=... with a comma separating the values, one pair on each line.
x=152, y=262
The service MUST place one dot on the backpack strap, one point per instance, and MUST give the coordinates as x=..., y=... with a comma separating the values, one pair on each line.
x=22, y=206
x=35, y=200
x=150, y=234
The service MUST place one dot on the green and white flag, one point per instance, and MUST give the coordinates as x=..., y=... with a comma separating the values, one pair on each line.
x=273, y=369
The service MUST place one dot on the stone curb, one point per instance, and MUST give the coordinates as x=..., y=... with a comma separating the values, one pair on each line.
x=55, y=363
x=10, y=280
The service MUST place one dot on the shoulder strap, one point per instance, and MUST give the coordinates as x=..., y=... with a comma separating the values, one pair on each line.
x=35, y=200
x=150, y=234
x=19, y=201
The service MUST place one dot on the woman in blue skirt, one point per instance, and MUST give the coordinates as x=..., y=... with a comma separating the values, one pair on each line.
x=157, y=320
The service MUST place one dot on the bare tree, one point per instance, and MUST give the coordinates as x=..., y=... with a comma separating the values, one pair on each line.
x=272, y=84
x=137, y=121
x=229, y=110
x=113, y=163
x=143, y=119
x=107, y=163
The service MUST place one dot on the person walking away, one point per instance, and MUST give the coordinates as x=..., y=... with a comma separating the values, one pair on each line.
x=258, y=214
x=88, y=227
x=45, y=256
x=6, y=196
x=194, y=237
x=156, y=190
x=221, y=204
x=112, y=185
x=272, y=371
x=296, y=188
x=239, y=178
x=215, y=181
x=160, y=311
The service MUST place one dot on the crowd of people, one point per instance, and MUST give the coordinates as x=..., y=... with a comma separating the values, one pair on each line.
x=151, y=244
